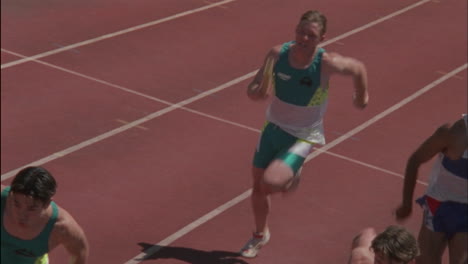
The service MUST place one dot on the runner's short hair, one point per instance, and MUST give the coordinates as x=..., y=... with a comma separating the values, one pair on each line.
x=36, y=182
x=315, y=17
x=397, y=243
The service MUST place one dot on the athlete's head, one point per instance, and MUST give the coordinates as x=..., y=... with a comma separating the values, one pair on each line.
x=314, y=16
x=31, y=192
x=311, y=29
x=395, y=245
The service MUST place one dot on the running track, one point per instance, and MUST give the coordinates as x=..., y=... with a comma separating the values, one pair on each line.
x=139, y=109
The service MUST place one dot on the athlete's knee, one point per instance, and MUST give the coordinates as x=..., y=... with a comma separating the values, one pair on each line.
x=277, y=175
x=457, y=248
x=259, y=187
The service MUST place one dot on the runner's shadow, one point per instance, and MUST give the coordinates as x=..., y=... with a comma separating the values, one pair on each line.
x=190, y=255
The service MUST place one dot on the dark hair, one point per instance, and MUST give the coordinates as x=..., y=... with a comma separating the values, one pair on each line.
x=396, y=243
x=36, y=182
x=316, y=17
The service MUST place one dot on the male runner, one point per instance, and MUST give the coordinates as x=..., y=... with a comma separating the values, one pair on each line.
x=298, y=73
x=33, y=225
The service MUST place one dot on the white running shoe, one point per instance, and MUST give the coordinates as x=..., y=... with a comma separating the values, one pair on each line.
x=258, y=240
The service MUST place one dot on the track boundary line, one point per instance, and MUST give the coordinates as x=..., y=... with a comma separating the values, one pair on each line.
x=114, y=34
x=156, y=247
x=172, y=106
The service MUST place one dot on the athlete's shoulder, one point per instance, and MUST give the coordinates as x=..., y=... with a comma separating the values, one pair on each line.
x=275, y=51
x=459, y=127
x=66, y=226
x=449, y=131
x=69, y=233
x=332, y=59
x=333, y=62
x=64, y=219
x=458, y=139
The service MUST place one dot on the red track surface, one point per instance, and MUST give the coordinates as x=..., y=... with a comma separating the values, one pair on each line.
x=134, y=188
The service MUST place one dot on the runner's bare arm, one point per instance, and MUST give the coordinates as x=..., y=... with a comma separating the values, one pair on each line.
x=435, y=144
x=258, y=88
x=360, y=247
x=335, y=63
x=73, y=238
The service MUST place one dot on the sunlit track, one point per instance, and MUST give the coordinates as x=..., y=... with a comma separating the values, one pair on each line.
x=171, y=106
x=155, y=248
x=201, y=114
x=151, y=135
x=112, y=35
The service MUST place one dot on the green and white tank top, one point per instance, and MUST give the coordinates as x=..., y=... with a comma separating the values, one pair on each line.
x=301, y=98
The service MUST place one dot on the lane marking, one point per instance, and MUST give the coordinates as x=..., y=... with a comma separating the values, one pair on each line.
x=159, y=21
x=455, y=76
x=389, y=110
x=130, y=125
x=188, y=228
x=63, y=153
x=367, y=165
x=222, y=208
x=171, y=106
x=221, y=6
x=375, y=22
x=156, y=247
x=114, y=34
x=126, y=122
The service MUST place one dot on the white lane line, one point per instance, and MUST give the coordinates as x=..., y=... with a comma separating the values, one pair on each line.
x=171, y=107
x=188, y=228
x=93, y=79
x=114, y=34
x=194, y=112
x=156, y=247
x=121, y=32
x=390, y=110
x=375, y=22
x=315, y=148
x=127, y=126
x=366, y=165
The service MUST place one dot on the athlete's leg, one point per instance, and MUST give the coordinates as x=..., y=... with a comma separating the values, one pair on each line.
x=432, y=245
x=261, y=208
x=458, y=246
x=277, y=175
x=287, y=165
x=260, y=200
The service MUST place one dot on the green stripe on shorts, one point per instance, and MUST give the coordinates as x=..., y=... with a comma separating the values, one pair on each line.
x=292, y=160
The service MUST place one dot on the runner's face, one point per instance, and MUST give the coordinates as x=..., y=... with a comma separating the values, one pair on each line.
x=26, y=210
x=308, y=35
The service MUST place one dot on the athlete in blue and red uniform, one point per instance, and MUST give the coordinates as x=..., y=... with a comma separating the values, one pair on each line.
x=445, y=203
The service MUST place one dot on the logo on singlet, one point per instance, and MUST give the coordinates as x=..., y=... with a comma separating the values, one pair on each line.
x=26, y=253
x=306, y=81
x=283, y=76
